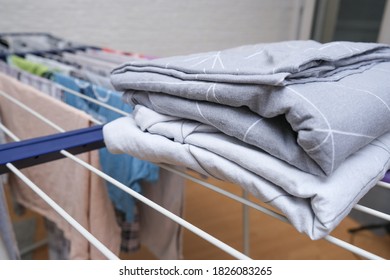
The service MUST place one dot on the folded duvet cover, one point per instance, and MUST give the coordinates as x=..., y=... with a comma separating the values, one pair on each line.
x=311, y=104
x=314, y=205
x=303, y=125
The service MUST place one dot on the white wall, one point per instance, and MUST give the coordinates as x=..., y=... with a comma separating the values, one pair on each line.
x=160, y=27
x=384, y=34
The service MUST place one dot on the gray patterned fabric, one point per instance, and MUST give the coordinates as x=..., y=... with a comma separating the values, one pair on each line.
x=303, y=126
x=294, y=99
x=314, y=205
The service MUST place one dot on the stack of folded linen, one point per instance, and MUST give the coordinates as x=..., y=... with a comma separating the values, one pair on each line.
x=303, y=126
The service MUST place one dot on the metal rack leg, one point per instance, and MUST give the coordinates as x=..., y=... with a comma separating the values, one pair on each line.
x=245, y=224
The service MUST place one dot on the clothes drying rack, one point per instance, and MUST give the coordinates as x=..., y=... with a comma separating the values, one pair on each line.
x=24, y=153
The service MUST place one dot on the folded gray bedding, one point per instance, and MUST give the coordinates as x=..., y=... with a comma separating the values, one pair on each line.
x=311, y=107
x=313, y=204
x=308, y=104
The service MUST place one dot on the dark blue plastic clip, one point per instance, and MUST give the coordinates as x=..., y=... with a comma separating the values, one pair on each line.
x=44, y=149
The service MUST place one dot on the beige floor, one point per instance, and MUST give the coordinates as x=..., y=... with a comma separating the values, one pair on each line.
x=269, y=238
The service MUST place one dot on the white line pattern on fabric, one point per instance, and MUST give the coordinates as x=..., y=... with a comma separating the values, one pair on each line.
x=329, y=132
x=200, y=112
x=208, y=91
x=326, y=122
x=255, y=54
x=250, y=128
x=216, y=57
x=192, y=58
x=215, y=95
x=329, y=46
x=345, y=133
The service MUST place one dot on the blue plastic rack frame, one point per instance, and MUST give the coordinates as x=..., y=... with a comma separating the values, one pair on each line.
x=47, y=148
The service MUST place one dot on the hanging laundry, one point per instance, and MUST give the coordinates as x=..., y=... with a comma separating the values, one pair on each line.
x=99, y=67
x=81, y=193
x=9, y=70
x=92, y=78
x=42, y=84
x=130, y=231
x=115, y=58
x=160, y=234
x=35, y=43
x=126, y=169
x=29, y=66
x=53, y=65
x=8, y=245
x=58, y=245
x=30, y=42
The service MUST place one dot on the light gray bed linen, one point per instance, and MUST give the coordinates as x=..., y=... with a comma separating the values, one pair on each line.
x=309, y=104
x=314, y=205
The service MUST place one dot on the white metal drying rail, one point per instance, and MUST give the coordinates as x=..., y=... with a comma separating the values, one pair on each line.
x=98, y=102
x=216, y=242
x=34, y=113
x=383, y=185
x=92, y=239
